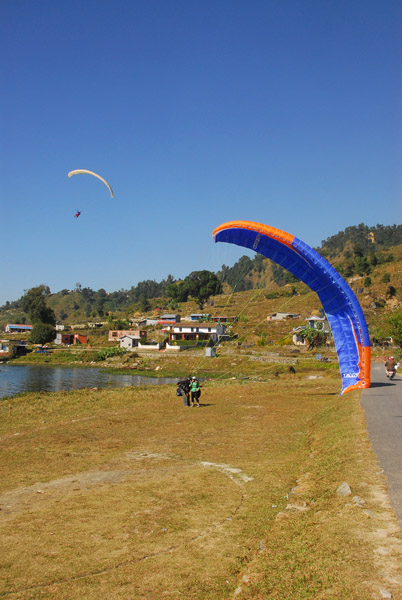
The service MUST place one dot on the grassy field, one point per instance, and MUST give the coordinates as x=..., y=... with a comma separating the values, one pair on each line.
x=126, y=494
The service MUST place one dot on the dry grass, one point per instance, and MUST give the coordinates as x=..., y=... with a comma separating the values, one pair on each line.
x=126, y=494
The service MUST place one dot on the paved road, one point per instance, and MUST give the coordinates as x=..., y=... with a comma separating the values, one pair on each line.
x=382, y=403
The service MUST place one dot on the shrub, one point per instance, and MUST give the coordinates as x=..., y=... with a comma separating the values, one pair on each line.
x=42, y=333
x=108, y=353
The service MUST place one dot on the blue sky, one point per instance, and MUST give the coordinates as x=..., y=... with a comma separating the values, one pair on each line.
x=197, y=113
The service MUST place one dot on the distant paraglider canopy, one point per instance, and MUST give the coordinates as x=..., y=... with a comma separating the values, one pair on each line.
x=85, y=171
x=341, y=306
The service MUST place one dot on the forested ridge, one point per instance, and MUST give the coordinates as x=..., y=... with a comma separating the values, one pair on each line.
x=369, y=239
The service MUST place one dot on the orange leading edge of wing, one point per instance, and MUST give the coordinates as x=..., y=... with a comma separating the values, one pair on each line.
x=272, y=232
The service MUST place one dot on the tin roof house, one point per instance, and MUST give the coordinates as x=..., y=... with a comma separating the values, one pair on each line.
x=169, y=318
x=17, y=328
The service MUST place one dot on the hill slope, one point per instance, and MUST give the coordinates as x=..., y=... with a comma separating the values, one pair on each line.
x=368, y=257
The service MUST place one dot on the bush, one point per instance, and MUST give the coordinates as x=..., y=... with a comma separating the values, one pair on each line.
x=391, y=291
x=272, y=295
x=108, y=353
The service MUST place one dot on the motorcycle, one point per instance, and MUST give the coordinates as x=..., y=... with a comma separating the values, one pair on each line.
x=390, y=373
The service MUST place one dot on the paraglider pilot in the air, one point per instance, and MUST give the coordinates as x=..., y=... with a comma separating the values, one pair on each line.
x=77, y=214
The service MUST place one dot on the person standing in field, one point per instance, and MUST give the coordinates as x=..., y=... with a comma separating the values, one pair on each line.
x=183, y=389
x=195, y=391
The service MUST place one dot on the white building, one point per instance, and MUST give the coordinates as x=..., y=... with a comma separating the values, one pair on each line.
x=129, y=341
x=281, y=316
x=197, y=332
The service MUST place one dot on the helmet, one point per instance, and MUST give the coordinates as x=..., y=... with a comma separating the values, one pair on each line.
x=193, y=377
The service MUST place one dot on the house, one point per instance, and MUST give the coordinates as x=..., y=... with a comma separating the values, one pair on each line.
x=20, y=345
x=281, y=316
x=168, y=319
x=313, y=322
x=129, y=341
x=11, y=328
x=116, y=334
x=200, y=317
x=146, y=322
x=223, y=319
x=79, y=326
x=201, y=332
x=321, y=323
x=71, y=339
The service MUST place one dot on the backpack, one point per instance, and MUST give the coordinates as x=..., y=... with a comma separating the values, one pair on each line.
x=178, y=390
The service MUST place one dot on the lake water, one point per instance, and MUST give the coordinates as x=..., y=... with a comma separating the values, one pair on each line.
x=16, y=379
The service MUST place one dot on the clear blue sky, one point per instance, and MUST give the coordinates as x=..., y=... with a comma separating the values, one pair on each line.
x=197, y=113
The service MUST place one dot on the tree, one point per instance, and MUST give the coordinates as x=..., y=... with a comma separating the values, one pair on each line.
x=42, y=333
x=100, y=305
x=119, y=324
x=258, y=263
x=358, y=250
x=394, y=327
x=281, y=276
x=362, y=265
x=12, y=350
x=144, y=305
x=314, y=337
x=34, y=304
x=201, y=285
x=178, y=292
x=391, y=291
x=87, y=293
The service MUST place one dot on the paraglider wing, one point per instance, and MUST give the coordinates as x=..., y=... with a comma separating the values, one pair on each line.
x=82, y=171
x=341, y=306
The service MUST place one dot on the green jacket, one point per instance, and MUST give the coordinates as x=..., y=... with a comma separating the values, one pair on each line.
x=194, y=386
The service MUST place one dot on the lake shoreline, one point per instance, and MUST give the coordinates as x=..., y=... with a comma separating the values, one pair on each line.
x=20, y=379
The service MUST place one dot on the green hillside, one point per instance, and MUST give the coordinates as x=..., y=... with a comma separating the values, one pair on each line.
x=369, y=258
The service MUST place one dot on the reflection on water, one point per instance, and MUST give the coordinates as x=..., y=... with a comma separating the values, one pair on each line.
x=16, y=379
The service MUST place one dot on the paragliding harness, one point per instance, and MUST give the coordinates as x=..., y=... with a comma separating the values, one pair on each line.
x=182, y=386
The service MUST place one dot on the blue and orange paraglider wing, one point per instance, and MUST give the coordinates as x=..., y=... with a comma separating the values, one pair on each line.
x=341, y=306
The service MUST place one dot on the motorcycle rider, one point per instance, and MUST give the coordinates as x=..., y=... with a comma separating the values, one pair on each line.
x=390, y=366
